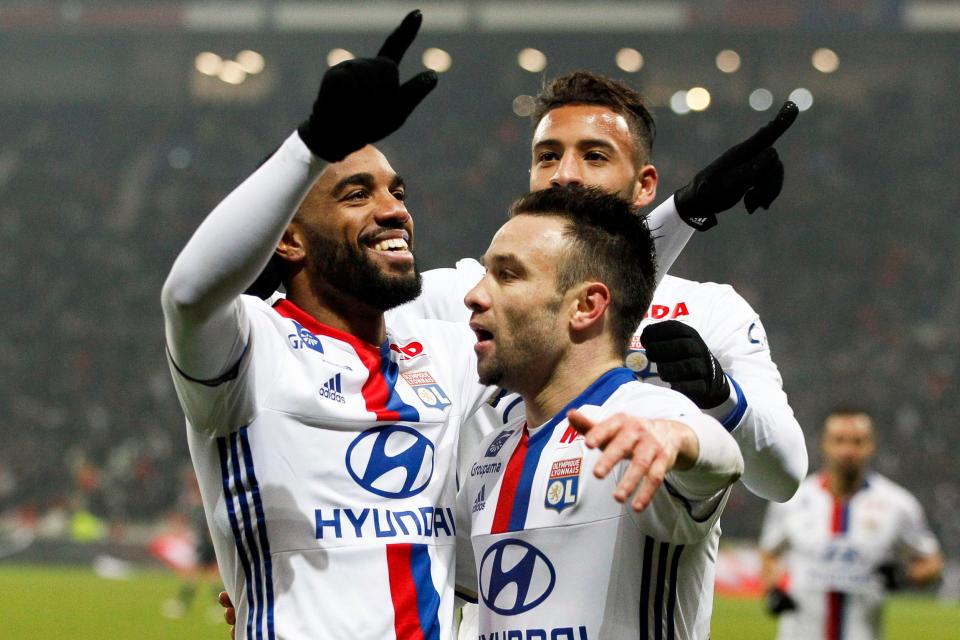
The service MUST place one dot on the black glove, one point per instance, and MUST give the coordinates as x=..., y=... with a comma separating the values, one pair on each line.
x=778, y=601
x=683, y=360
x=750, y=170
x=893, y=575
x=361, y=101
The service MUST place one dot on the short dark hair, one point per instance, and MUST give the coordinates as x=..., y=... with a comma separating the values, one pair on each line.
x=608, y=241
x=585, y=87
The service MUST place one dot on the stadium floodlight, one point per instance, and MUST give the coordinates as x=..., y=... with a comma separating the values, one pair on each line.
x=761, y=99
x=728, y=61
x=678, y=103
x=630, y=60
x=437, y=59
x=802, y=97
x=232, y=72
x=523, y=105
x=825, y=60
x=251, y=61
x=208, y=63
x=698, y=99
x=532, y=60
x=336, y=56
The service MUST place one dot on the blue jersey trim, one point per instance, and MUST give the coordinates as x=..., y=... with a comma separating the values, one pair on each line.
x=235, y=527
x=732, y=421
x=428, y=600
x=390, y=370
x=596, y=394
x=261, y=528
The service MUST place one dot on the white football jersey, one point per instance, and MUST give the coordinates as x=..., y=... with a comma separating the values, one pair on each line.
x=757, y=413
x=832, y=549
x=555, y=556
x=327, y=464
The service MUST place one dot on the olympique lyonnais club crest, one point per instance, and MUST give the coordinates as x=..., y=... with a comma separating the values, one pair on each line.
x=563, y=484
x=429, y=392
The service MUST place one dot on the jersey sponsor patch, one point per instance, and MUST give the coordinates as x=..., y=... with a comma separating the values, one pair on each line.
x=563, y=484
x=303, y=339
x=756, y=335
x=662, y=311
x=498, y=443
x=427, y=389
x=408, y=351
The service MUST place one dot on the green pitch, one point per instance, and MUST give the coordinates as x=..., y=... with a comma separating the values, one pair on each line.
x=44, y=602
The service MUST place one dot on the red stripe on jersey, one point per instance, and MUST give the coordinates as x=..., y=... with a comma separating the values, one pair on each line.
x=403, y=592
x=834, y=616
x=508, y=488
x=375, y=390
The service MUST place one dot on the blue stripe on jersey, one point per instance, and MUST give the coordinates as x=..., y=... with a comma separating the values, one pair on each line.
x=510, y=407
x=390, y=370
x=732, y=421
x=248, y=532
x=261, y=526
x=596, y=394
x=428, y=600
x=235, y=526
x=845, y=517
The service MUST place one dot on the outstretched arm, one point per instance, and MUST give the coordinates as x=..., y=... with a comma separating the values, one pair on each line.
x=359, y=102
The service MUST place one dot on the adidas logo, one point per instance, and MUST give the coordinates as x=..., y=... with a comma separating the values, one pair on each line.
x=331, y=390
x=481, y=500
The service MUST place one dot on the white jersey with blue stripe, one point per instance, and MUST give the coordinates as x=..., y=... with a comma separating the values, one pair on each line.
x=555, y=556
x=326, y=469
x=832, y=548
x=757, y=412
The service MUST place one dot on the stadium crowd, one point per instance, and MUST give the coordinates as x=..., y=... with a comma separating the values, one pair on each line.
x=854, y=272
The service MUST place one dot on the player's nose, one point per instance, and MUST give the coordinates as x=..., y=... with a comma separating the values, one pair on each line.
x=477, y=299
x=567, y=173
x=392, y=213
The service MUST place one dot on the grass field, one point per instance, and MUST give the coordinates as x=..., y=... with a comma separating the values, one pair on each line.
x=44, y=602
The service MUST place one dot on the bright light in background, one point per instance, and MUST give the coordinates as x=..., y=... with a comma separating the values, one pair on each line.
x=761, y=100
x=251, y=61
x=802, y=97
x=728, y=61
x=678, y=102
x=232, y=72
x=208, y=63
x=698, y=99
x=437, y=59
x=825, y=60
x=336, y=56
x=523, y=105
x=630, y=60
x=179, y=158
x=532, y=60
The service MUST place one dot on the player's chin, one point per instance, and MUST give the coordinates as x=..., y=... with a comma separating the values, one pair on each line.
x=488, y=370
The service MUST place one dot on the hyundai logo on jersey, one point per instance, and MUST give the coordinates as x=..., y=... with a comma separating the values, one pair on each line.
x=498, y=443
x=303, y=338
x=515, y=577
x=392, y=461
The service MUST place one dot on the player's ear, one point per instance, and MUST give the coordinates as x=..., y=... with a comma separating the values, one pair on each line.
x=645, y=189
x=292, y=245
x=592, y=300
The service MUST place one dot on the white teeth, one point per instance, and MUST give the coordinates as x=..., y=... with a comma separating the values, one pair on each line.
x=393, y=244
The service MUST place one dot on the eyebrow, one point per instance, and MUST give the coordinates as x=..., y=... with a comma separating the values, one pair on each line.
x=500, y=258
x=581, y=144
x=365, y=180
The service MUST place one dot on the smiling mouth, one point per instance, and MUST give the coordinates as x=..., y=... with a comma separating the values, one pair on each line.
x=391, y=245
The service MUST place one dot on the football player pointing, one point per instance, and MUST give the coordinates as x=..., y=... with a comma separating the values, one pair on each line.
x=567, y=280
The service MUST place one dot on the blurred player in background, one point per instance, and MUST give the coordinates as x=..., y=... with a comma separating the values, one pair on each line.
x=831, y=554
x=553, y=554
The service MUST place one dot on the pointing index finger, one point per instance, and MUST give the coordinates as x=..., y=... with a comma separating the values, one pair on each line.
x=402, y=37
x=770, y=132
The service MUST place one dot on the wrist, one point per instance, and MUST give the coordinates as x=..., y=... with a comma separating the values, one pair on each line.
x=730, y=412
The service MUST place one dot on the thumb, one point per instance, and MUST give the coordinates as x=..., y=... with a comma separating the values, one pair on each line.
x=581, y=423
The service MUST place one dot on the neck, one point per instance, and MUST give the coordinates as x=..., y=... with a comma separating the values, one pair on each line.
x=569, y=378
x=844, y=485
x=338, y=310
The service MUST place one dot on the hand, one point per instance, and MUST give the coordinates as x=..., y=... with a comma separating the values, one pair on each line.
x=651, y=446
x=750, y=170
x=684, y=361
x=777, y=601
x=361, y=101
x=229, y=614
